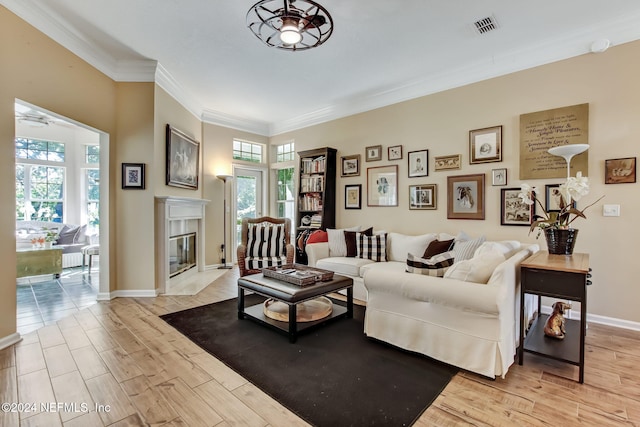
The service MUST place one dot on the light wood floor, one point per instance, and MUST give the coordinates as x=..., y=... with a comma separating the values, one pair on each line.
x=119, y=353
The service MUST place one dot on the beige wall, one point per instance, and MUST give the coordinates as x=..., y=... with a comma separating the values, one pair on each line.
x=135, y=261
x=441, y=122
x=217, y=159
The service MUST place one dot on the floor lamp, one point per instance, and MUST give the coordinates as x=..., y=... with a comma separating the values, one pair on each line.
x=224, y=179
x=568, y=151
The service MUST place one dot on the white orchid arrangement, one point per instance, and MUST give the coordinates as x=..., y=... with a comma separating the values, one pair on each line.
x=572, y=190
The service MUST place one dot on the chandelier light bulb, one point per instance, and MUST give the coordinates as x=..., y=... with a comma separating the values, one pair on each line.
x=289, y=33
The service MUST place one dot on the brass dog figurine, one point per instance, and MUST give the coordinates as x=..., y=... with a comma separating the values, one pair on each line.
x=554, y=327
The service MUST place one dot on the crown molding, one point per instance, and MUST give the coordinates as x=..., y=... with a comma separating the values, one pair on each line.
x=235, y=122
x=165, y=80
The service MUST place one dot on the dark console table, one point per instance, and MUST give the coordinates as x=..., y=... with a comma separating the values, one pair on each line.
x=556, y=276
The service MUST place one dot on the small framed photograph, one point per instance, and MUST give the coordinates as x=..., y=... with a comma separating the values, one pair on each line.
x=513, y=211
x=485, y=145
x=620, y=171
x=382, y=186
x=395, y=152
x=133, y=176
x=553, y=198
x=373, y=153
x=350, y=165
x=183, y=159
x=418, y=163
x=423, y=196
x=443, y=163
x=353, y=196
x=499, y=176
x=465, y=196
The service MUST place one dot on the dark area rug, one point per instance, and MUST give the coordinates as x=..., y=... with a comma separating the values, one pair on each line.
x=332, y=376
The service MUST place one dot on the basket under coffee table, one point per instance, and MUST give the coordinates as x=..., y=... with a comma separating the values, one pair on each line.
x=292, y=295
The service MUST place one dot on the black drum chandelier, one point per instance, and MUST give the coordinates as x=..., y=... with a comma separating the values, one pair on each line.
x=290, y=24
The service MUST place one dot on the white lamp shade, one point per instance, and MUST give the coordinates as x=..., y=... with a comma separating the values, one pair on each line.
x=568, y=150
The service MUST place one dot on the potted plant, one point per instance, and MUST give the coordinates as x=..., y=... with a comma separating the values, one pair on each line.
x=560, y=236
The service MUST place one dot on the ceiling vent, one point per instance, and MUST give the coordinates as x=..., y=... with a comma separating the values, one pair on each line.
x=484, y=25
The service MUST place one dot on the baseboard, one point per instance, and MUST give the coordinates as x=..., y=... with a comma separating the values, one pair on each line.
x=106, y=296
x=10, y=340
x=601, y=320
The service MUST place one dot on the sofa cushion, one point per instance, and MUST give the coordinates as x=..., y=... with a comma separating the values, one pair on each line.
x=372, y=247
x=393, y=266
x=70, y=235
x=318, y=236
x=466, y=250
x=434, y=266
x=477, y=269
x=343, y=265
x=399, y=245
x=505, y=247
x=265, y=240
x=337, y=242
x=350, y=239
x=437, y=247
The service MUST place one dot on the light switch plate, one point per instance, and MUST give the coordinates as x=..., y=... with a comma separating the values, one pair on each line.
x=611, y=210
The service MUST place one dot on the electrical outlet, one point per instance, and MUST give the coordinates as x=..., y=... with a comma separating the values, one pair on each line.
x=222, y=248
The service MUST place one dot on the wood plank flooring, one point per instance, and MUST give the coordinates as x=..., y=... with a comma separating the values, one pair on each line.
x=117, y=364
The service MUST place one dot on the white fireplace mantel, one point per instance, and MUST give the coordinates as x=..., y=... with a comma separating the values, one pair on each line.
x=169, y=209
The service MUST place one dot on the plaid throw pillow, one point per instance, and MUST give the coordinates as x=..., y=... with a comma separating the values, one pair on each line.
x=437, y=265
x=265, y=240
x=371, y=247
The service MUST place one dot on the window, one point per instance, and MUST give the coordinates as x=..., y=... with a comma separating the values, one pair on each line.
x=285, y=152
x=34, y=149
x=92, y=178
x=285, y=202
x=39, y=184
x=92, y=154
x=247, y=151
x=284, y=172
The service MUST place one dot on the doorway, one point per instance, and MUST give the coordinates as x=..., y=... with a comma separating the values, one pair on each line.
x=62, y=179
x=250, y=197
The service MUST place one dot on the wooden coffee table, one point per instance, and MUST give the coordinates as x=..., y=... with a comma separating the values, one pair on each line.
x=292, y=295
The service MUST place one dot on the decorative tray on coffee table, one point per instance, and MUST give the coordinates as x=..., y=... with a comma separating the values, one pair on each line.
x=298, y=274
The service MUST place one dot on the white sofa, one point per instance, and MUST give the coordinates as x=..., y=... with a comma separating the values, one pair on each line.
x=474, y=326
x=71, y=248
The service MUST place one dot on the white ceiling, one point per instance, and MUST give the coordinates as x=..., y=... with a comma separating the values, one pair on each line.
x=381, y=51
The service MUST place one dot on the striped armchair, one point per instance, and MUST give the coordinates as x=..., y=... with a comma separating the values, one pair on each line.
x=265, y=242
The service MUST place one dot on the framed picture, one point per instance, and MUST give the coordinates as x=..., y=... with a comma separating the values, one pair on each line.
x=350, y=165
x=485, y=145
x=395, y=152
x=513, y=211
x=499, y=176
x=418, y=163
x=553, y=198
x=353, y=196
x=183, y=159
x=373, y=153
x=620, y=171
x=133, y=176
x=382, y=186
x=451, y=162
x=465, y=196
x=423, y=196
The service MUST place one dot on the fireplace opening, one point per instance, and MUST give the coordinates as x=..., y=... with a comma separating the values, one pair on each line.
x=182, y=253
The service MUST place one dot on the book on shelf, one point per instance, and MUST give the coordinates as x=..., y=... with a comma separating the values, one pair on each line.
x=313, y=165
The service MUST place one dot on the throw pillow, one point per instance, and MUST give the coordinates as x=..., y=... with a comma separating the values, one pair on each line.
x=401, y=244
x=372, y=247
x=67, y=235
x=81, y=235
x=466, y=250
x=478, y=269
x=337, y=242
x=350, y=239
x=265, y=240
x=437, y=247
x=437, y=265
x=318, y=236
